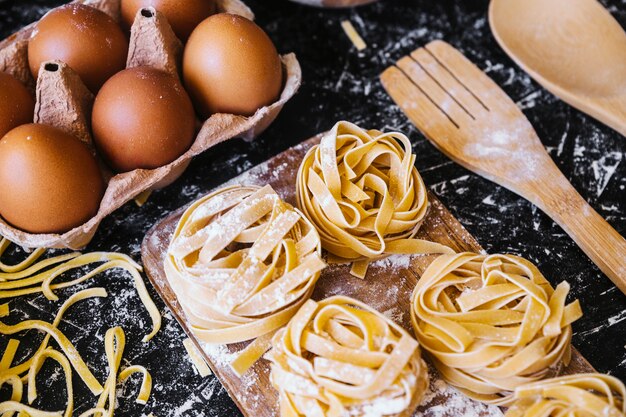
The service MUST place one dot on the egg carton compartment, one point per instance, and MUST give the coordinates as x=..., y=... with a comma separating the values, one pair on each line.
x=62, y=100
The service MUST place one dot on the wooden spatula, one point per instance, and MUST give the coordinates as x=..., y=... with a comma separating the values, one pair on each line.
x=471, y=120
x=574, y=48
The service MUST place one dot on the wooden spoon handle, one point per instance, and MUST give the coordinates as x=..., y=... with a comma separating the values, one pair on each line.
x=601, y=242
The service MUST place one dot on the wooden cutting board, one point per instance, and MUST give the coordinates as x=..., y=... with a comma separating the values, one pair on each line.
x=387, y=288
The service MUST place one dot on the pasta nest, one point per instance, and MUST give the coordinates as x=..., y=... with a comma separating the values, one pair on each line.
x=491, y=323
x=364, y=195
x=340, y=357
x=241, y=262
x=583, y=395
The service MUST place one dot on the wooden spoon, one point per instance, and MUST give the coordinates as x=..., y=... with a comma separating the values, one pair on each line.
x=470, y=119
x=573, y=48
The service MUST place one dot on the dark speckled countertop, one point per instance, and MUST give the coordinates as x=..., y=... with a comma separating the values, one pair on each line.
x=341, y=83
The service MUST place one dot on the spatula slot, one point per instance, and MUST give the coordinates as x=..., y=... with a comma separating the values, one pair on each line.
x=430, y=71
x=439, y=83
x=457, y=79
x=425, y=94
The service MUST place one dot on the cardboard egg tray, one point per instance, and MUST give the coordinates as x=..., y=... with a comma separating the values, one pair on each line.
x=62, y=100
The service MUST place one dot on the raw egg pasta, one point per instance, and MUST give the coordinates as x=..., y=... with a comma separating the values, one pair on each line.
x=364, y=195
x=27, y=371
x=8, y=355
x=29, y=277
x=32, y=257
x=491, y=323
x=52, y=331
x=340, y=357
x=62, y=360
x=25, y=410
x=241, y=263
x=114, y=343
x=17, y=387
x=581, y=395
x=196, y=358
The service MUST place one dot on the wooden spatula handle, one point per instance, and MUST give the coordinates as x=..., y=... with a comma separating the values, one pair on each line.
x=601, y=242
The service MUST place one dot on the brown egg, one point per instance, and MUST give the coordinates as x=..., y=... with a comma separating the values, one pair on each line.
x=16, y=103
x=142, y=118
x=49, y=179
x=183, y=15
x=86, y=39
x=231, y=66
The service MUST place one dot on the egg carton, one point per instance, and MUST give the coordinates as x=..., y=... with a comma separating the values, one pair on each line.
x=62, y=100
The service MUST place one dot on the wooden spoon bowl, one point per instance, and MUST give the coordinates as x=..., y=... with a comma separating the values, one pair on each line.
x=574, y=48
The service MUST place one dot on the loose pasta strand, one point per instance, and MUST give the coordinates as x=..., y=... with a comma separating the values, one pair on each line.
x=32, y=257
x=28, y=277
x=41, y=277
x=114, y=344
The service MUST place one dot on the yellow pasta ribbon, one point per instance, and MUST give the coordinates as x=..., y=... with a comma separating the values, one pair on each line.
x=581, y=395
x=146, y=382
x=8, y=355
x=73, y=299
x=114, y=343
x=340, y=357
x=196, y=358
x=28, y=277
x=68, y=348
x=40, y=277
x=241, y=263
x=32, y=257
x=491, y=323
x=32, y=365
x=25, y=410
x=363, y=194
x=67, y=369
x=4, y=310
x=17, y=387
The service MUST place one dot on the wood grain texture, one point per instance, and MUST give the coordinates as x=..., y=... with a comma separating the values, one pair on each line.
x=470, y=119
x=574, y=48
x=387, y=288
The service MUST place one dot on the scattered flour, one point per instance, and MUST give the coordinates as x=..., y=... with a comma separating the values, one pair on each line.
x=442, y=400
x=393, y=262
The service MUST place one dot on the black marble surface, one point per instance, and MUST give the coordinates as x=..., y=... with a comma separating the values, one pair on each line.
x=340, y=83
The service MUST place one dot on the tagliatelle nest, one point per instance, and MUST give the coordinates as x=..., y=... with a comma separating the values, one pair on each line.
x=582, y=395
x=340, y=357
x=241, y=263
x=491, y=323
x=364, y=195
